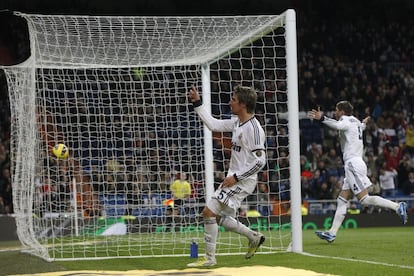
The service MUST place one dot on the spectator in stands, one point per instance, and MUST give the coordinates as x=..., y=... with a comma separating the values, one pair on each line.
x=321, y=166
x=282, y=165
x=307, y=189
x=336, y=185
x=387, y=181
x=392, y=155
x=314, y=153
x=134, y=193
x=409, y=138
x=381, y=141
x=263, y=199
x=181, y=190
x=316, y=182
x=333, y=162
x=253, y=212
x=323, y=191
x=154, y=183
x=408, y=185
x=404, y=168
x=198, y=192
x=282, y=138
x=372, y=164
x=371, y=138
x=375, y=188
x=305, y=167
x=356, y=181
x=164, y=182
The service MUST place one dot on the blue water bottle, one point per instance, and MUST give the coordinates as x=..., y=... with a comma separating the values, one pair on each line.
x=193, y=249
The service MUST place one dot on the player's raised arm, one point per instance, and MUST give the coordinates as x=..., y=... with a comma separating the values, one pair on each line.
x=212, y=123
x=193, y=94
x=366, y=120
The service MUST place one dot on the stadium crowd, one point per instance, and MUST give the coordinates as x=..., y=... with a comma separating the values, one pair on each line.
x=362, y=60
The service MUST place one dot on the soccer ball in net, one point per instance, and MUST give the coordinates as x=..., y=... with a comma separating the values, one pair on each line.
x=61, y=151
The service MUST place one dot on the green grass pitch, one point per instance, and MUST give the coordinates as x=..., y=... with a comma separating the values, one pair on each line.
x=363, y=251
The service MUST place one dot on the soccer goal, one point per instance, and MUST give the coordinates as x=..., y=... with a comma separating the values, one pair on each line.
x=114, y=91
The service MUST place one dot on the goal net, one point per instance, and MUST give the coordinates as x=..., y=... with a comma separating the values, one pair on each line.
x=114, y=91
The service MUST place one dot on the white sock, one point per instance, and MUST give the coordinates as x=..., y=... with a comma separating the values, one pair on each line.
x=340, y=213
x=234, y=225
x=210, y=237
x=379, y=201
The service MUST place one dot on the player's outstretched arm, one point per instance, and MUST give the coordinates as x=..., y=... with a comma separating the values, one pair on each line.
x=332, y=123
x=316, y=114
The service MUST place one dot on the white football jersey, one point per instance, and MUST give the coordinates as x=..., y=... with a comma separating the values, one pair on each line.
x=248, y=140
x=350, y=135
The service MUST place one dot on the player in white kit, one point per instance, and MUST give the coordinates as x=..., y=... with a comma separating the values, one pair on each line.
x=247, y=159
x=356, y=181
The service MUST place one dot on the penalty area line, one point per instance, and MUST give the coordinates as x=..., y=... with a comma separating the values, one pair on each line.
x=357, y=260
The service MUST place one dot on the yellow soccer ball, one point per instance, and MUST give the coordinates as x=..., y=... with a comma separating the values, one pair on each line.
x=61, y=151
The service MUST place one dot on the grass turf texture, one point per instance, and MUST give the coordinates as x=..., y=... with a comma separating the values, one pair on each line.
x=363, y=251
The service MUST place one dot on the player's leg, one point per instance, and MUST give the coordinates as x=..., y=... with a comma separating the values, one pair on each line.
x=360, y=182
x=256, y=239
x=342, y=205
x=399, y=208
x=232, y=198
x=210, y=235
x=340, y=213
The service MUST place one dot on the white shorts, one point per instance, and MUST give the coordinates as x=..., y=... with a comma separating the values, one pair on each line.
x=356, y=178
x=226, y=201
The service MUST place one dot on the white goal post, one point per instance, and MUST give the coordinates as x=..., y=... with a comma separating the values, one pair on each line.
x=114, y=90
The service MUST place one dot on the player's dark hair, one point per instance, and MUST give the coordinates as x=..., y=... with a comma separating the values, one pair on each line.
x=247, y=96
x=346, y=107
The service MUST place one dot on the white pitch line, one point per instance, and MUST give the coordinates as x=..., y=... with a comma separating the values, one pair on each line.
x=357, y=261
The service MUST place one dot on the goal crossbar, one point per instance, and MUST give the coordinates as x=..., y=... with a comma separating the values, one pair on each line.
x=134, y=51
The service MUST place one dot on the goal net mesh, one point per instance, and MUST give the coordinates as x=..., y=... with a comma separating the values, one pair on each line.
x=114, y=90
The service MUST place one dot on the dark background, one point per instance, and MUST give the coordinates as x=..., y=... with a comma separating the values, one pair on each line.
x=309, y=13
x=330, y=9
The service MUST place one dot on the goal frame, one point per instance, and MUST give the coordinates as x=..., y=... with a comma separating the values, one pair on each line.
x=27, y=67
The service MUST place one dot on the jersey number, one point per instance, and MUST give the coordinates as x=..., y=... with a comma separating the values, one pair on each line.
x=359, y=133
x=221, y=195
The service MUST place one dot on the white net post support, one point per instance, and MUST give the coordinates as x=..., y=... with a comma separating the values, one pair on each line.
x=294, y=134
x=114, y=90
x=208, y=137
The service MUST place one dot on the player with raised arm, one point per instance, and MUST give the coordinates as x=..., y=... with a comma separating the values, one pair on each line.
x=247, y=159
x=356, y=181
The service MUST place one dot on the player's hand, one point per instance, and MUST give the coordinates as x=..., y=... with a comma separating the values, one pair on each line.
x=193, y=94
x=366, y=120
x=228, y=181
x=315, y=114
